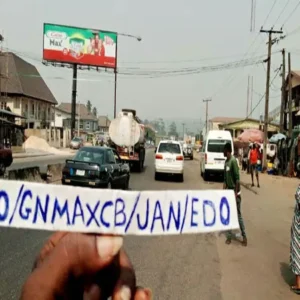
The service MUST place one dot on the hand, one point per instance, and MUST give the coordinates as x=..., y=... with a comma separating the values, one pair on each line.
x=81, y=266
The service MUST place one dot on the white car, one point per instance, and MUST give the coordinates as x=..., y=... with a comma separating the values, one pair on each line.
x=169, y=159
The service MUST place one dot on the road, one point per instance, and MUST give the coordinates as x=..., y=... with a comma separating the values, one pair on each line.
x=38, y=161
x=189, y=266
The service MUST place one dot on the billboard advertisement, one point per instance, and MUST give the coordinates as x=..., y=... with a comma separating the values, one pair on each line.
x=81, y=46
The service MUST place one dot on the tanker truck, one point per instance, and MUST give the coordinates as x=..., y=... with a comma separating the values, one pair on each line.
x=127, y=136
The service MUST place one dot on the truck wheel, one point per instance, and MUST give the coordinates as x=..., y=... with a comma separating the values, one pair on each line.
x=205, y=176
x=180, y=178
x=156, y=176
x=192, y=157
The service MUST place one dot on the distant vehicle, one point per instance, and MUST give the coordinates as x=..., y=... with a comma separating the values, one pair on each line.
x=127, y=137
x=169, y=159
x=188, y=151
x=76, y=143
x=6, y=159
x=99, y=167
x=212, y=158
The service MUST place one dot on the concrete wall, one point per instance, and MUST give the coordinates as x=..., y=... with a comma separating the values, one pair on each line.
x=53, y=136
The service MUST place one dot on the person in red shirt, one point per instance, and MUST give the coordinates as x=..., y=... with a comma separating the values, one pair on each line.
x=254, y=157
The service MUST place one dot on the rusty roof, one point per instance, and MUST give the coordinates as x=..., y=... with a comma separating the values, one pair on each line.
x=18, y=77
x=224, y=119
x=81, y=110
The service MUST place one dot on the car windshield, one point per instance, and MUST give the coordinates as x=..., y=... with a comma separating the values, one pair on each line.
x=76, y=139
x=169, y=147
x=217, y=146
x=94, y=155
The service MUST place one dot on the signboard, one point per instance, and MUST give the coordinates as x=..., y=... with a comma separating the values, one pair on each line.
x=67, y=208
x=79, y=46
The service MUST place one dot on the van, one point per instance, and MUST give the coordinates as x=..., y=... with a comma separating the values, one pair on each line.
x=212, y=153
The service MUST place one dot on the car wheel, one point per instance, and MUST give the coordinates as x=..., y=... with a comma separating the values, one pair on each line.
x=181, y=178
x=192, y=157
x=2, y=169
x=205, y=176
x=156, y=176
x=126, y=186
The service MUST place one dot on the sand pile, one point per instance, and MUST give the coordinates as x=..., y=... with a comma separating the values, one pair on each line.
x=35, y=144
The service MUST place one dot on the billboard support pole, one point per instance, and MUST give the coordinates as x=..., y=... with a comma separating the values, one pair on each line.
x=74, y=94
x=116, y=77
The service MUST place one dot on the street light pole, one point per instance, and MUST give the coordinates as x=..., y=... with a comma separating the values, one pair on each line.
x=138, y=38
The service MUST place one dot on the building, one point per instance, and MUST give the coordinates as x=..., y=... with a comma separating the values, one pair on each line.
x=103, y=124
x=295, y=84
x=24, y=91
x=214, y=123
x=87, y=121
x=236, y=128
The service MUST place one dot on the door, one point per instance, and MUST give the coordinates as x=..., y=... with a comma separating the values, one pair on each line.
x=122, y=169
x=113, y=169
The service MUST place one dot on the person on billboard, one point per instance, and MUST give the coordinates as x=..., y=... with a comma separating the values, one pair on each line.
x=99, y=47
x=91, y=46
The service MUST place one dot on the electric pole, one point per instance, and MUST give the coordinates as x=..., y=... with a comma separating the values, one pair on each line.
x=283, y=92
x=290, y=97
x=183, y=124
x=206, y=113
x=248, y=96
x=266, y=120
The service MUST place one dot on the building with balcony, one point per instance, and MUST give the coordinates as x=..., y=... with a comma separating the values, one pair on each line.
x=87, y=121
x=24, y=91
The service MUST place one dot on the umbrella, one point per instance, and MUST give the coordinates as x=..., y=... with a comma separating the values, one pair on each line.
x=251, y=136
x=277, y=137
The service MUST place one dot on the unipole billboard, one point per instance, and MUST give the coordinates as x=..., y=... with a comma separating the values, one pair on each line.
x=73, y=45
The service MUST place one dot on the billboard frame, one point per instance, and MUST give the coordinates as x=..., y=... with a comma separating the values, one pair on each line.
x=78, y=63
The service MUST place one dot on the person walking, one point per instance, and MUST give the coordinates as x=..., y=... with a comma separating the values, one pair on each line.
x=254, y=157
x=232, y=182
x=295, y=243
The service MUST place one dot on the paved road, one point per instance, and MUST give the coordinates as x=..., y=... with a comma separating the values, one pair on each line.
x=39, y=161
x=191, y=266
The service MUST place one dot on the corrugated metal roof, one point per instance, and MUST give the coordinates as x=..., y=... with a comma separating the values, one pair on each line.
x=81, y=110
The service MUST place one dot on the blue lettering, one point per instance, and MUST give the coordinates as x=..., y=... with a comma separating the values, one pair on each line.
x=25, y=214
x=173, y=216
x=108, y=203
x=93, y=214
x=144, y=226
x=4, y=196
x=211, y=205
x=224, y=202
x=120, y=211
x=61, y=211
x=80, y=213
x=194, y=213
x=39, y=208
x=157, y=209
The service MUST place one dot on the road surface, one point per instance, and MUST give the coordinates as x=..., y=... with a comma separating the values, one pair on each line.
x=189, y=267
x=38, y=161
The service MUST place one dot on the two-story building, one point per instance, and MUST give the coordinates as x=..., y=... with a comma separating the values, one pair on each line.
x=24, y=91
x=103, y=124
x=87, y=121
x=216, y=122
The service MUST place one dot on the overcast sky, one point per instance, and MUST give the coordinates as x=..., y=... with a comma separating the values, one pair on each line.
x=177, y=34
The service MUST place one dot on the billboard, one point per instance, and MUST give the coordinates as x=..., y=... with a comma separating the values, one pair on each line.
x=82, y=46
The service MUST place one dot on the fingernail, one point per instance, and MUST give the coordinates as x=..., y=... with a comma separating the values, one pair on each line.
x=108, y=246
x=125, y=293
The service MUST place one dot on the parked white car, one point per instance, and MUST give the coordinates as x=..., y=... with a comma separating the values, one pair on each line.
x=169, y=159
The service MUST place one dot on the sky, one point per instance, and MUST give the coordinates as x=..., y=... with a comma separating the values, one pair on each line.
x=175, y=35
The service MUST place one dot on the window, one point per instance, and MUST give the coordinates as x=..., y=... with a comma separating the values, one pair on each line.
x=87, y=125
x=81, y=125
x=94, y=155
x=32, y=108
x=169, y=147
x=217, y=146
x=117, y=157
x=3, y=105
x=17, y=103
x=110, y=157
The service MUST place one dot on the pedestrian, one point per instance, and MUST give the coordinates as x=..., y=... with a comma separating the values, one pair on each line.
x=254, y=157
x=232, y=182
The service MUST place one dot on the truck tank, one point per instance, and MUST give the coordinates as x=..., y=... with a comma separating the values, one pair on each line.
x=125, y=130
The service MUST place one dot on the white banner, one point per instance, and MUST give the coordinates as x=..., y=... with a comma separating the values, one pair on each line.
x=56, y=207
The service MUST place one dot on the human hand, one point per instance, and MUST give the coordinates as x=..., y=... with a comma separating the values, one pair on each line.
x=81, y=266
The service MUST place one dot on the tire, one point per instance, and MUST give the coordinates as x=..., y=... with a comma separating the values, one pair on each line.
x=192, y=157
x=2, y=169
x=205, y=176
x=126, y=186
x=181, y=178
x=156, y=176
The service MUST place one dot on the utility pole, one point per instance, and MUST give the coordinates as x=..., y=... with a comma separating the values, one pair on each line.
x=248, y=96
x=266, y=120
x=183, y=124
x=206, y=113
x=283, y=92
x=290, y=97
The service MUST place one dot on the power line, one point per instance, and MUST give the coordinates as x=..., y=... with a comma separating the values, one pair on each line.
x=282, y=11
x=291, y=13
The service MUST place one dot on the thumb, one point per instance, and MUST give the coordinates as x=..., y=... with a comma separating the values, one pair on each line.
x=75, y=255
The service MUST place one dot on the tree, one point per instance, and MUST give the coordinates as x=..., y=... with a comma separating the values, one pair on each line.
x=173, y=130
x=95, y=111
x=89, y=106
